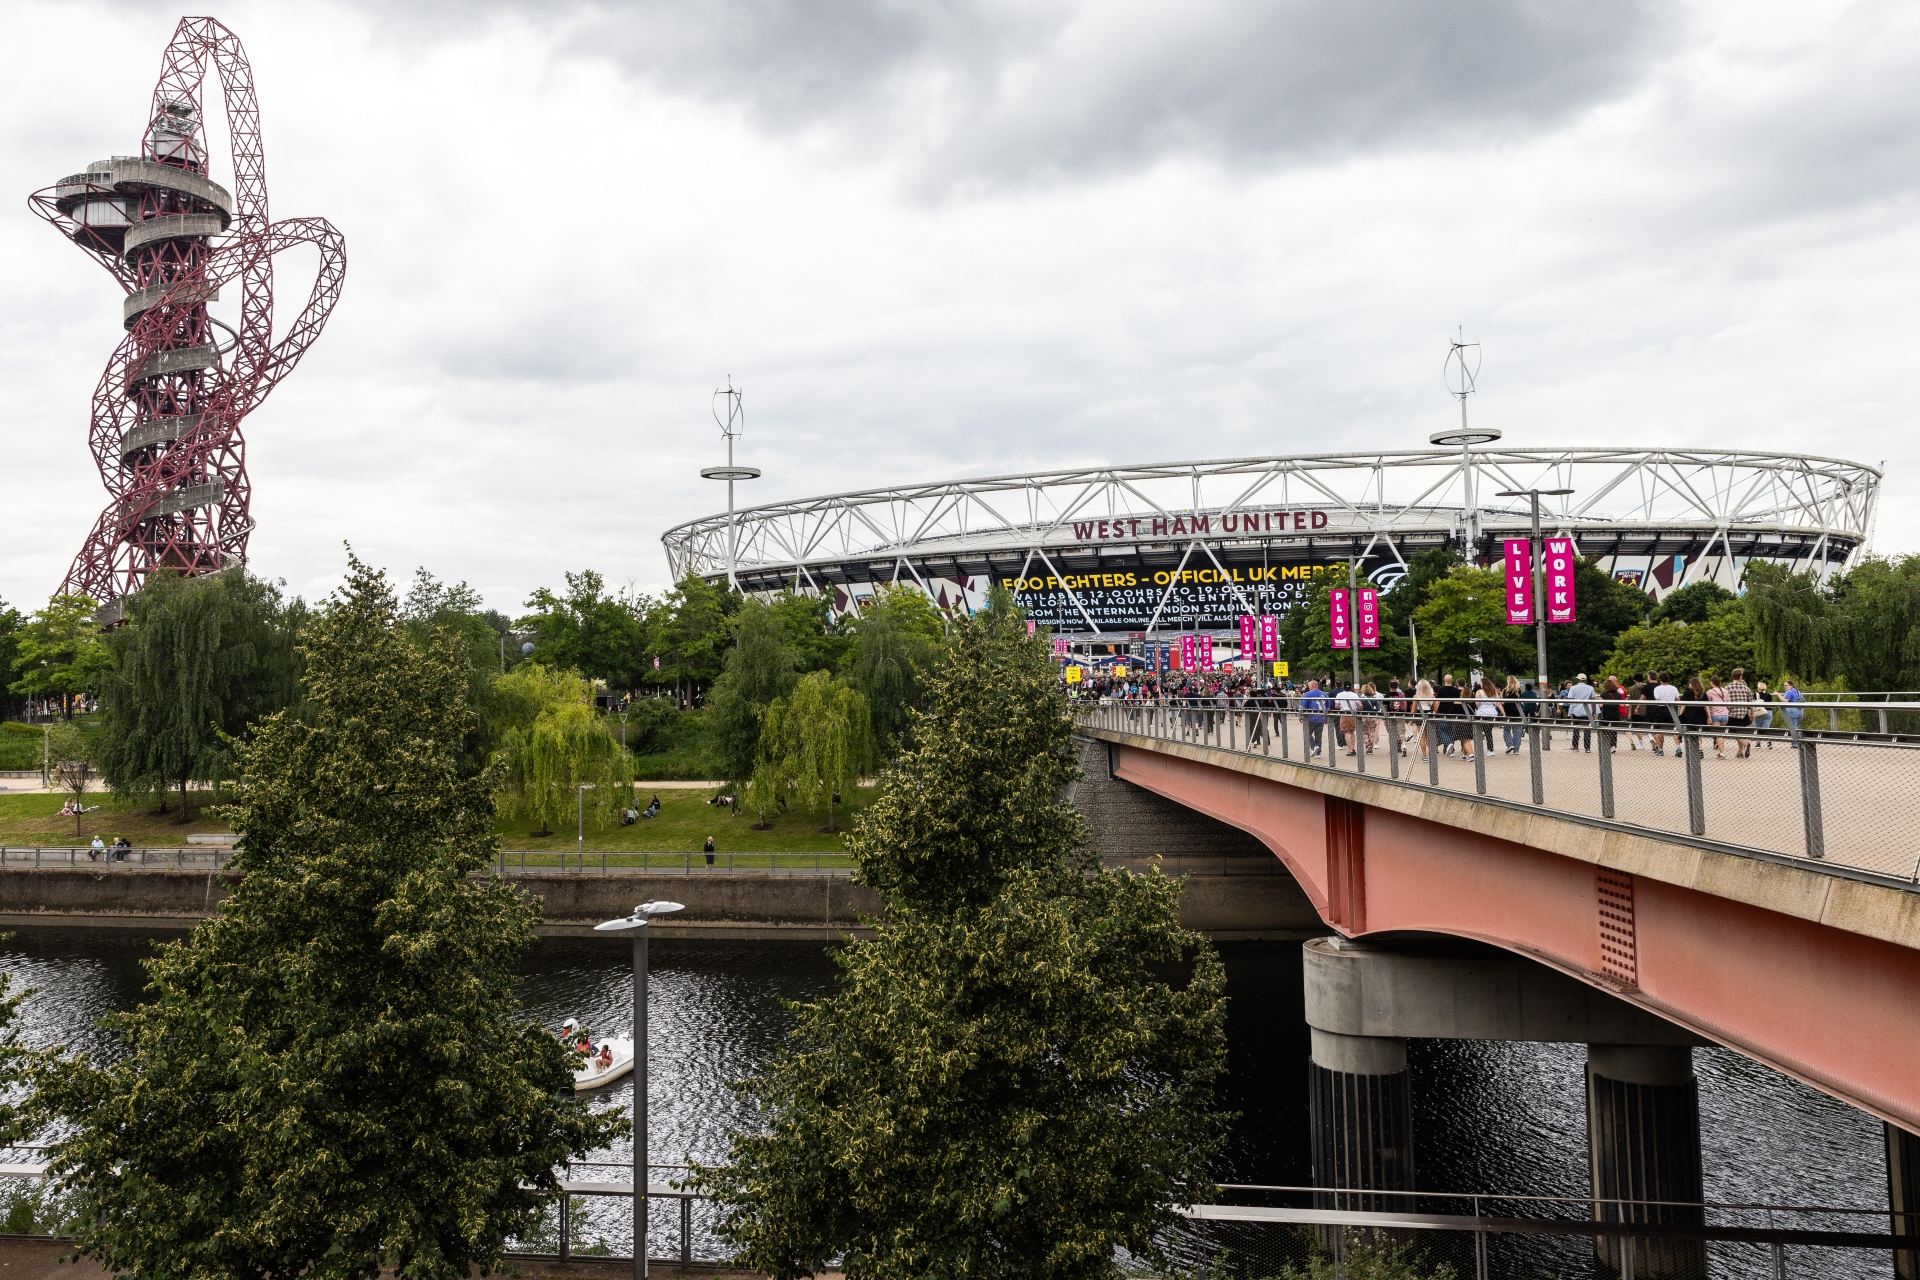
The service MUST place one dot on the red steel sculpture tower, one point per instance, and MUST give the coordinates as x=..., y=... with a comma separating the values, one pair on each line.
x=167, y=411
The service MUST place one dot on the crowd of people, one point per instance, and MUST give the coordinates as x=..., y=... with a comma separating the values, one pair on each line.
x=1648, y=711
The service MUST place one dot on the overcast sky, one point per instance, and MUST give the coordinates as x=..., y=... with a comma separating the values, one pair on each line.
x=967, y=238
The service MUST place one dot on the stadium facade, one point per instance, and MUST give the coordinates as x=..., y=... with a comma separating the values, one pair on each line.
x=1121, y=553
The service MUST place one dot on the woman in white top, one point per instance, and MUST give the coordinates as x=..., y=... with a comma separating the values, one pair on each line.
x=1486, y=709
x=1424, y=705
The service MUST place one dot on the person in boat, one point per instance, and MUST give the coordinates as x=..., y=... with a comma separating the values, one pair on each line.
x=605, y=1059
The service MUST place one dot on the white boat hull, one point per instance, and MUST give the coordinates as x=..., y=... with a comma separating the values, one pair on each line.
x=590, y=1075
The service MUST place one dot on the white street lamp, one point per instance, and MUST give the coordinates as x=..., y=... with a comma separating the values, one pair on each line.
x=636, y=924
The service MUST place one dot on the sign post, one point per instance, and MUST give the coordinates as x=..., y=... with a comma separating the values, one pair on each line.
x=1542, y=609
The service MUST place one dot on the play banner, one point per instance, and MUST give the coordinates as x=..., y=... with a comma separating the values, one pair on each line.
x=1557, y=568
x=1188, y=662
x=1269, y=638
x=1369, y=622
x=1338, y=619
x=1249, y=636
x=1519, y=582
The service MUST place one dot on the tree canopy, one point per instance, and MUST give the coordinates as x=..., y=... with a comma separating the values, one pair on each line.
x=328, y=1077
x=896, y=638
x=759, y=668
x=1463, y=626
x=815, y=743
x=1862, y=629
x=587, y=630
x=1007, y=1081
x=59, y=653
x=552, y=742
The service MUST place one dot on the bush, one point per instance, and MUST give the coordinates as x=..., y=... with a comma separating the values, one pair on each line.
x=20, y=746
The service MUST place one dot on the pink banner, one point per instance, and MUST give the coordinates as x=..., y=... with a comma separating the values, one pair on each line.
x=1338, y=619
x=1557, y=568
x=1519, y=582
x=1059, y=646
x=1204, y=645
x=1187, y=660
x=1269, y=638
x=1249, y=637
x=1368, y=624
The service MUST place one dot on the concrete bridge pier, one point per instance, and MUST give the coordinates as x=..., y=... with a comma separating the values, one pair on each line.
x=1643, y=1143
x=1360, y=1111
x=1366, y=999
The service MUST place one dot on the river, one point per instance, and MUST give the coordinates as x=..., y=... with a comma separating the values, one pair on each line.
x=1491, y=1117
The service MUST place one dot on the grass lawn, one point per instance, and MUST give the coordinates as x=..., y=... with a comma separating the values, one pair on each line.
x=36, y=820
x=685, y=821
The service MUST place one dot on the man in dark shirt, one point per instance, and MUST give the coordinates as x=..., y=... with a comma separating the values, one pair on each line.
x=1447, y=693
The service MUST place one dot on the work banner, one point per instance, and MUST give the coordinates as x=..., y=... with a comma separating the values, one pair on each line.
x=1339, y=621
x=1249, y=636
x=1519, y=582
x=1369, y=621
x=1557, y=565
x=1269, y=638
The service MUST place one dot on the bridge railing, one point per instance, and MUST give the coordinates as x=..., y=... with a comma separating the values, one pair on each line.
x=1255, y=1231
x=1790, y=787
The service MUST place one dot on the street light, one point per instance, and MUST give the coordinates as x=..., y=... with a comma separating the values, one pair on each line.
x=636, y=924
x=582, y=795
x=1533, y=554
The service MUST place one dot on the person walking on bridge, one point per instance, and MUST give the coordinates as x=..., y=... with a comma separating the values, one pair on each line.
x=1314, y=703
x=1666, y=713
x=1740, y=703
x=1580, y=712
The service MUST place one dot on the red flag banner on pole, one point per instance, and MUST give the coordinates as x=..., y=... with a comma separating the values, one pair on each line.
x=1269, y=638
x=1338, y=619
x=1557, y=566
x=1249, y=637
x=1519, y=582
x=1368, y=624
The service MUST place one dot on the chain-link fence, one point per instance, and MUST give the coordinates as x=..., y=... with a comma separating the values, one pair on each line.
x=1803, y=789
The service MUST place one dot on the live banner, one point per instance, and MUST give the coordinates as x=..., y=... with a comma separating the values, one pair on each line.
x=1249, y=636
x=1369, y=621
x=1338, y=619
x=1557, y=564
x=1519, y=582
x=1269, y=638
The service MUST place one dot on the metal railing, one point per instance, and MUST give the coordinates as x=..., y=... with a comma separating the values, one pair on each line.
x=1844, y=800
x=511, y=862
x=200, y=857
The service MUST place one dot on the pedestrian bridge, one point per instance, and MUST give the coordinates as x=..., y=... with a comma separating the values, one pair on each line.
x=1769, y=903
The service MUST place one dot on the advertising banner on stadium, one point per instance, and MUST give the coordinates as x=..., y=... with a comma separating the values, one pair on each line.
x=1557, y=569
x=1368, y=625
x=1339, y=620
x=1519, y=582
x=1207, y=598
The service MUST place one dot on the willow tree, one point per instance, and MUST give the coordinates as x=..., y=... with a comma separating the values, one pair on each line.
x=544, y=766
x=1009, y=1081
x=815, y=743
x=330, y=1078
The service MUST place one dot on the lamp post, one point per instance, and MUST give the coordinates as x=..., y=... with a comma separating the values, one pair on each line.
x=1533, y=554
x=582, y=796
x=730, y=429
x=636, y=924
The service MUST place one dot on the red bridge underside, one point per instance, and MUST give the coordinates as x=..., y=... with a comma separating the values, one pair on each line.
x=1836, y=1010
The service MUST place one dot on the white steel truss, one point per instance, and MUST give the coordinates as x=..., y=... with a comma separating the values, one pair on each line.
x=1710, y=491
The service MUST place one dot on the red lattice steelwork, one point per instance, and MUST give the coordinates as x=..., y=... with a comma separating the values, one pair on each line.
x=167, y=411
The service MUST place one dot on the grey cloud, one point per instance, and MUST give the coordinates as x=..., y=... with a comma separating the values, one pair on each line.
x=981, y=92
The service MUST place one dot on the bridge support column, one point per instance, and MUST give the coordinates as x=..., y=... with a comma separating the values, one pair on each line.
x=1643, y=1134
x=1903, y=1196
x=1361, y=1112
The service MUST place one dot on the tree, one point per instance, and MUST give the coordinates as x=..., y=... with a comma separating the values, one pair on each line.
x=688, y=633
x=328, y=1077
x=1463, y=626
x=432, y=607
x=71, y=752
x=1694, y=602
x=1398, y=604
x=817, y=741
x=589, y=631
x=60, y=653
x=1006, y=1082
x=809, y=626
x=11, y=623
x=195, y=662
x=556, y=742
x=1710, y=648
x=895, y=640
x=1862, y=629
x=759, y=669
x=1604, y=610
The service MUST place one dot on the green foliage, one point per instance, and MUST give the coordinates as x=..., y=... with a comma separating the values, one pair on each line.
x=11, y=624
x=1006, y=1083
x=327, y=1077
x=432, y=607
x=816, y=742
x=808, y=623
x=1370, y=1255
x=1397, y=606
x=896, y=639
x=1463, y=625
x=1695, y=602
x=1863, y=628
x=654, y=724
x=555, y=742
x=1605, y=609
x=759, y=670
x=20, y=746
x=60, y=652
x=586, y=630
x=1712, y=648
x=688, y=633
x=195, y=662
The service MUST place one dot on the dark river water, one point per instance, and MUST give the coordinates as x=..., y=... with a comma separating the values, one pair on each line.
x=1490, y=1117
